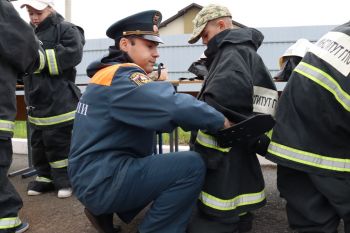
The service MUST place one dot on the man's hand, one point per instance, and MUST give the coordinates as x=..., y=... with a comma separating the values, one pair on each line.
x=227, y=124
x=163, y=74
x=159, y=73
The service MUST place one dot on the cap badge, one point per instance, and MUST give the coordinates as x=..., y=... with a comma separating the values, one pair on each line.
x=156, y=18
x=155, y=29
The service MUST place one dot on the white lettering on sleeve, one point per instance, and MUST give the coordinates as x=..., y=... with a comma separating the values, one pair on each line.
x=334, y=48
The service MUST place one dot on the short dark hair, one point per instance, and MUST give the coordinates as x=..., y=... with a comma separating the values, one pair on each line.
x=131, y=38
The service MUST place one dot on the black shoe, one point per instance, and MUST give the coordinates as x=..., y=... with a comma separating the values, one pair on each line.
x=36, y=188
x=102, y=223
x=22, y=227
x=245, y=222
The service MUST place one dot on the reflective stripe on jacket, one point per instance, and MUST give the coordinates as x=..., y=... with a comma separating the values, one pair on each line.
x=210, y=142
x=53, y=120
x=326, y=81
x=51, y=92
x=311, y=159
x=7, y=125
x=312, y=130
x=19, y=55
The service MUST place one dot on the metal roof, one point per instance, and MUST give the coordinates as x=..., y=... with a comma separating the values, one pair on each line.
x=177, y=54
x=180, y=13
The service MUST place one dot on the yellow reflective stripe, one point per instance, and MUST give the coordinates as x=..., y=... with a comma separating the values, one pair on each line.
x=6, y=223
x=7, y=125
x=242, y=214
x=269, y=134
x=51, y=61
x=42, y=62
x=42, y=179
x=52, y=120
x=59, y=164
x=210, y=142
x=308, y=158
x=325, y=80
x=231, y=204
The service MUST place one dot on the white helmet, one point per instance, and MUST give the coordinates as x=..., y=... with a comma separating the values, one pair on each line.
x=298, y=49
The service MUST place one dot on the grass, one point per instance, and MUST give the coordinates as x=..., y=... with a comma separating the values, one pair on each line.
x=184, y=137
x=21, y=132
x=20, y=129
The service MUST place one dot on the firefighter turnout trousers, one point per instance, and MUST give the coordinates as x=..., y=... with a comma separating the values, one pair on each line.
x=315, y=203
x=10, y=201
x=50, y=149
x=233, y=186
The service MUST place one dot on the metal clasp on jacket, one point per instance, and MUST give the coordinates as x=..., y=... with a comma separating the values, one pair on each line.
x=30, y=109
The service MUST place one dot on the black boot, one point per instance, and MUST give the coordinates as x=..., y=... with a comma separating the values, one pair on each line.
x=36, y=187
x=102, y=223
x=245, y=222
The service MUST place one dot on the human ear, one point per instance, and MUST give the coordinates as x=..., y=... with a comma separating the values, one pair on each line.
x=123, y=44
x=221, y=24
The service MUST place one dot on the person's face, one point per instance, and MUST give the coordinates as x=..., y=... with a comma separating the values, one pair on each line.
x=211, y=29
x=36, y=16
x=143, y=52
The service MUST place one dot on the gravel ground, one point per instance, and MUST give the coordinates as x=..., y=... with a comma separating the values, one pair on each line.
x=48, y=214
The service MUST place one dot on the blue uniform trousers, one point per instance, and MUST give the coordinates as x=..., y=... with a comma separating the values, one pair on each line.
x=172, y=182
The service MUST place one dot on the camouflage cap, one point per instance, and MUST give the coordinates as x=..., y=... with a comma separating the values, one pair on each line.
x=207, y=14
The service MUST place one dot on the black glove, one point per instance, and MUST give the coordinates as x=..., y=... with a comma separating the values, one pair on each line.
x=261, y=144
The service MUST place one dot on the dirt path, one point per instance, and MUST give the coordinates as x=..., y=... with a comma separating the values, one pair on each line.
x=48, y=214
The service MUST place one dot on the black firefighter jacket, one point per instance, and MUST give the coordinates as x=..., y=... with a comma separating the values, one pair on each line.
x=52, y=94
x=238, y=81
x=18, y=55
x=312, y=130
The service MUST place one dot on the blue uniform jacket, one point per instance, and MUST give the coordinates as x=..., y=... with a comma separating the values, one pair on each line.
x=116, y=119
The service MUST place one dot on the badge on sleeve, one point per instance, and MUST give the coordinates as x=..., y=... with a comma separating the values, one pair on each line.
x=140, y=78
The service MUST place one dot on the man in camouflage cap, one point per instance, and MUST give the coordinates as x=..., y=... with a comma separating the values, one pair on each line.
x=237, y=81
x=207, y=14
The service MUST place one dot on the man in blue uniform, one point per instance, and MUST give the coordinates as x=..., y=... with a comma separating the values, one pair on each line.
x=18, y=55
x=111, y=165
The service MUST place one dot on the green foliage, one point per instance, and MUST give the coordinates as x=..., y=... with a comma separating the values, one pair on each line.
x=20, y=129
x=184, y=137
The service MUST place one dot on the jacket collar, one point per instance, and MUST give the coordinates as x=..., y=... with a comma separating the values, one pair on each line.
x=53, y=19
x=115, y=56
x=249, y=36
